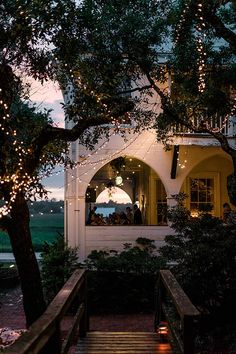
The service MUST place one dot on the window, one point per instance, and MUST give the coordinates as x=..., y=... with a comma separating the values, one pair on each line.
x=201, y=195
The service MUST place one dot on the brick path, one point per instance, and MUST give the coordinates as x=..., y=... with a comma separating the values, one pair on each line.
x=11, y=309
x=12, y=316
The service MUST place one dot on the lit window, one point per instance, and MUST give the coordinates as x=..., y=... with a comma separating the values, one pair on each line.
x=201, y=195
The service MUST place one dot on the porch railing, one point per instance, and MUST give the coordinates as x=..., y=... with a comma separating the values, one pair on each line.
x=176, y=310
x=227, y=128
x=44, y=336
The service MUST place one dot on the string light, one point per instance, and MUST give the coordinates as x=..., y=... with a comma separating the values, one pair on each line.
x=181, y=23
x=18, y=181
x=200, y=36
x=102, y=161
x=182, y=165
x=200, y=48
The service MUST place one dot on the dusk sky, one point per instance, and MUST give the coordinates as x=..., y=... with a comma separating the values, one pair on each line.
x=50, y=97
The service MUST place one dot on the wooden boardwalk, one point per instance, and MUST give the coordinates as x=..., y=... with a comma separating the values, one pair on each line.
x=122, y=343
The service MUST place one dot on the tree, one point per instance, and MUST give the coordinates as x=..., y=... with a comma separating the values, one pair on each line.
x=32, y=33
x=203, y=72
x=101, y=52
x=52, y=40
x=128, y=41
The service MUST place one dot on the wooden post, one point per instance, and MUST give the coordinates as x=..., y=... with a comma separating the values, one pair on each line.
x=84, y=323
x=188, y=335
x=54, y=344
x=157, y=302
x=160, y=298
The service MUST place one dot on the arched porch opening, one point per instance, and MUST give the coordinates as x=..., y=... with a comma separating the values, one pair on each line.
x=121, y=183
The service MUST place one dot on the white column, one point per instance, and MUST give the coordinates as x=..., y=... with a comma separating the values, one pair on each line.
x=81, y=231
x=70, y=220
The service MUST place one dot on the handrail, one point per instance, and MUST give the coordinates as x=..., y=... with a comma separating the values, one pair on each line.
x=44, y=334
x=170, y=290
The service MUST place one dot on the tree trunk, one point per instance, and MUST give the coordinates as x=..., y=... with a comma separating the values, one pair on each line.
x=28, y=268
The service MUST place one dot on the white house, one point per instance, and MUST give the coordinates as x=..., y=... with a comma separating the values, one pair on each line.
x=150, y=176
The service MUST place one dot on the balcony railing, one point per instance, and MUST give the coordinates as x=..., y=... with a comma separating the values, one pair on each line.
x=228, y=129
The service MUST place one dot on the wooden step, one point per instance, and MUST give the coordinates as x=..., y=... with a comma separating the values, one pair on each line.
x=122, y=343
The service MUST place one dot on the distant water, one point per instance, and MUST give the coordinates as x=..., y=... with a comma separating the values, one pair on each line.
x=105, y=211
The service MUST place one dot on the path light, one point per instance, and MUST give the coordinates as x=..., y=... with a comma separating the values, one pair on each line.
x=162, y=331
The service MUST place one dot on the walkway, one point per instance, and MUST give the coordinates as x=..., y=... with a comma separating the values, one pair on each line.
x=117, y=326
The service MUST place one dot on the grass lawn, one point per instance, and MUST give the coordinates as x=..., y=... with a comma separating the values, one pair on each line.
x=43, y=228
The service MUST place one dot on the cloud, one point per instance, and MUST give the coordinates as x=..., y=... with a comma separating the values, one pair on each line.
x=48, y=96
x=57, y=193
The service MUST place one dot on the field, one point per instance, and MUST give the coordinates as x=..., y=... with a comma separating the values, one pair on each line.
x=43, y=228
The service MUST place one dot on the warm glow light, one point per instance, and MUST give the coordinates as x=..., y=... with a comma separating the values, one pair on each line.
x=162, y=331
x=119, y=180
x=118, y=196
x=162, y=328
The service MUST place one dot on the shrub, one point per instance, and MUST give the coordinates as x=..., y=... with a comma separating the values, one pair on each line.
x=58, y=261
x=140, y=259
x=123, y=282
x=202, y=254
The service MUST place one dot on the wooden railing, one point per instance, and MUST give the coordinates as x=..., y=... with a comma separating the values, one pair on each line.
x=176, y=309
x=214, y=122
x=44, y=336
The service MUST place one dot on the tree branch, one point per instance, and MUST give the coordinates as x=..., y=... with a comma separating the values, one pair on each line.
x=146, y=87
x=220, y=29
x=50, y=134
x=202, y=128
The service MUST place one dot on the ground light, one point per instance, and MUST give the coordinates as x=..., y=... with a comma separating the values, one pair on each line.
x=162, y=331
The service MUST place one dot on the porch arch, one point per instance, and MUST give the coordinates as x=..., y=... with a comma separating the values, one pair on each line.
x=138, y=180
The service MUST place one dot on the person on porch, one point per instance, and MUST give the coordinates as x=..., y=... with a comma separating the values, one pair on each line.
x=137, y=215
x=129, y=215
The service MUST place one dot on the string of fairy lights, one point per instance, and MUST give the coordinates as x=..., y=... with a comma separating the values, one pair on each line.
x=101, y=161
x=200, y=37
x=184, y=159
x=202, y=55
x=19, y=180
x=104, y=160
x=200, y=48
x=181, y=23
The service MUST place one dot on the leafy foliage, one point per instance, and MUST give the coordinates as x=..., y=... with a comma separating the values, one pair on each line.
x=202, y=257
x=123, y=282
x=58, y=263
x=139, y=259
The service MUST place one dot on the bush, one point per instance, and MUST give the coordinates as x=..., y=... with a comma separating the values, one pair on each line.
x=116, y=292
x=203, y=254
x=140, y=259
x=58, y=262
x=123, y=282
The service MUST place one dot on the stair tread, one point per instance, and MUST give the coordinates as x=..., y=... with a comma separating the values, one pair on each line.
x=122, y=343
